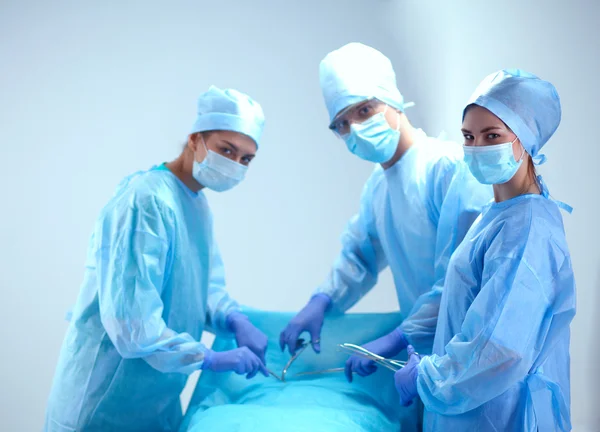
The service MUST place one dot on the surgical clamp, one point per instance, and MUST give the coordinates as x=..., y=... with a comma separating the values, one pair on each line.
x=393, y=365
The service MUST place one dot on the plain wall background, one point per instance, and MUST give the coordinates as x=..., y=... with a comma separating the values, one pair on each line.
x=90, y=92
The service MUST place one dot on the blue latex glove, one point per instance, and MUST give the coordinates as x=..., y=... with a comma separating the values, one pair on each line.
x=309, y=319
x=246, y=335
x=406, y=378
x=386, y=346
x=240, y=360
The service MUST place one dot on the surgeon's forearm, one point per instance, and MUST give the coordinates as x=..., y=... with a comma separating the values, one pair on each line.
x=176, y=360
x=344, y=289
x=321, y=301
x=164, y=350
x=221, y=309
x=420, y=325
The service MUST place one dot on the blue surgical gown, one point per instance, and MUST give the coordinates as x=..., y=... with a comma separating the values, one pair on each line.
x=412, y=217
x=153, y=280
x=501, y=351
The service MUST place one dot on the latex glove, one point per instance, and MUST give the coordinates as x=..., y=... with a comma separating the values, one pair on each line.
x=386, y=346
x=246, y=335
x=242, y=361
x=309, y=319
x=406, y=378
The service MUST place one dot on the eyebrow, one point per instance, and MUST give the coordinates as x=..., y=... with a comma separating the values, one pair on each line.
x=345, y=111
x=487, y=129
x=363, y=103
x=236, y=148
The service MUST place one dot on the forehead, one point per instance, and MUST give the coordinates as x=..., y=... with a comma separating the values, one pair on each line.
x=477, y=117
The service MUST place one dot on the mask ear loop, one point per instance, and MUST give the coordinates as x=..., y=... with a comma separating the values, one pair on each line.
x=205, y=148
x=522, y=146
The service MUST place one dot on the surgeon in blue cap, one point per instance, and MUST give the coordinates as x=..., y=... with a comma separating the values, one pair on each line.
x=154, y=280
x=501, y=353
x=415, y=208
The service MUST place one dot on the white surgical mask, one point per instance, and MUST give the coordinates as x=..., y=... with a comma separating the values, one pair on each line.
x=373, y=140
x=493, y=164
x=217, y=172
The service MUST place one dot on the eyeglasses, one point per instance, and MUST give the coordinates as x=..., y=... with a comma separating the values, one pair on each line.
x=357, y=113
x=351, y=349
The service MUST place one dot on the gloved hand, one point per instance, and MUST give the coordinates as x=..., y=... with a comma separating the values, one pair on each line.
x=246, y=335
x=406, y=378
x=240, y=360
x=309, y=319
x=386, y=346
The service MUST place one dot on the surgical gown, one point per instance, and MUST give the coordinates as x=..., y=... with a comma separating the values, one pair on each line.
x=153, y=280
x=412, y=217
x=501, y=351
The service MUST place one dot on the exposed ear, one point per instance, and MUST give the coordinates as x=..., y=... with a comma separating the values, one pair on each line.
x=193, y=141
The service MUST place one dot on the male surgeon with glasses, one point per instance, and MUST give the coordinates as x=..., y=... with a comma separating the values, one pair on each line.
x=415, y=208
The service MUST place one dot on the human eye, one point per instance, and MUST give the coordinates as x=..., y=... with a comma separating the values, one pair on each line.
x=225, y=150
x=365, y=111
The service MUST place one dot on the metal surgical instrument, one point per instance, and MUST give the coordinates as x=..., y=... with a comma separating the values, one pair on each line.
x=300, y=346
x=392, y=365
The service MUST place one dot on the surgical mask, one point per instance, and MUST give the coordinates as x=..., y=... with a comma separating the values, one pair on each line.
x=494, y=164
x=373, y=140
x=217, y=172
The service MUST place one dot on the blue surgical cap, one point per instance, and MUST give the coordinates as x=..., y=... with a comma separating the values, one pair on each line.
x=229, y=110
x=527, y=104
x=356, y=72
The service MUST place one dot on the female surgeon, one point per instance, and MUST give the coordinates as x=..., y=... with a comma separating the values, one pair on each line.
x=153, y=281
x=501, y=352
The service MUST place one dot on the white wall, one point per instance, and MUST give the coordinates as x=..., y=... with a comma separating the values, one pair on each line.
x=446, y=48
x=91, y=92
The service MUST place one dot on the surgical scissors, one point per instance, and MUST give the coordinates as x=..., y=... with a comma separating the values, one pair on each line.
x=301, y=345
x=393, y=365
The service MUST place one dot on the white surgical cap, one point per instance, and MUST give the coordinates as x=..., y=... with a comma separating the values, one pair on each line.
x=528, y=105
x=229, y=110
x=354, y=73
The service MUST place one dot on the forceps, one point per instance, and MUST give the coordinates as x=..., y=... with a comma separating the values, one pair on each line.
x=301, y=345
x=352, y=349
x=393, y=365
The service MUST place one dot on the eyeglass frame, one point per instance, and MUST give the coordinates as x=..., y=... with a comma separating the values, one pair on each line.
x=351, y=115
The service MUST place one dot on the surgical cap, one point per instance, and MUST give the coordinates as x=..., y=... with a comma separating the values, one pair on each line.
x=354, y=73
x=527, y=104
x=229, y=110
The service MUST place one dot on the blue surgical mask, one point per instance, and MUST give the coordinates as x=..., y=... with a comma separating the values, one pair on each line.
x=373, y=140
x=217, y=172
x=494, y=164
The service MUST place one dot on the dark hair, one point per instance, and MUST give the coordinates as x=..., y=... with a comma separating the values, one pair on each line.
x=531, y=173
x=531, y=169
